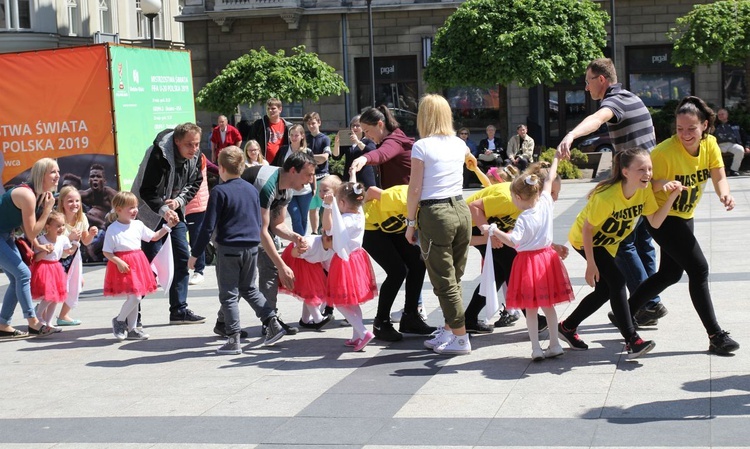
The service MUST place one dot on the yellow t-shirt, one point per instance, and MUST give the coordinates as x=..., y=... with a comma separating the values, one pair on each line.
x=613, y=216
x=388, y=214
x=498, y=205
x=672, y=162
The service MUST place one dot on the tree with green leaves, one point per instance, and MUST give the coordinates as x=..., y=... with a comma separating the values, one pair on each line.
x=714, y=32
x=530, y=42
x=260, y=75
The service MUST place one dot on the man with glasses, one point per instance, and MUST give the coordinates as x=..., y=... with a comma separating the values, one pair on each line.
x=469, y=177
x=630, y=125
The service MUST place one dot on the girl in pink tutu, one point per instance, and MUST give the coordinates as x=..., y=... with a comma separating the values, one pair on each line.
x=310, y=263
x=351, y=279
x=128, y=272
x=538, y=278
x=49, y=282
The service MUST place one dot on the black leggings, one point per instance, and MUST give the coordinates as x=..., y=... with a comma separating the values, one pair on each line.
x=680, y=252
x=400, y=260
x=502, y=259
x=611, y=286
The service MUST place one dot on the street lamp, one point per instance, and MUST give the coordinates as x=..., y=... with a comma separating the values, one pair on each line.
x=150, y=9
x=372, y=54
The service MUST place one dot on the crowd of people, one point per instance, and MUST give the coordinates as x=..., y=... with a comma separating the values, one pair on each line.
x=401, y=206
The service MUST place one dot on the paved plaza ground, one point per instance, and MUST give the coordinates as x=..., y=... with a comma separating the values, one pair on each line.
x=83, y=389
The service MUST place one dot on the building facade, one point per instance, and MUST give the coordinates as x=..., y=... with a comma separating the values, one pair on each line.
x=42, y=24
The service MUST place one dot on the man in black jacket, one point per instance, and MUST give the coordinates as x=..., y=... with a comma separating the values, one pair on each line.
x=168, y=178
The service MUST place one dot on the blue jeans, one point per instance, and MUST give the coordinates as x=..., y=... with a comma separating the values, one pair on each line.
x=298, y=211
x=19, y=288
x=636, y=258
x=180, y=254
x=194, y=222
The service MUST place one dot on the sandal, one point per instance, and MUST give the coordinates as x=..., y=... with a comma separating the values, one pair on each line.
x=15, y=334
x=43, y=331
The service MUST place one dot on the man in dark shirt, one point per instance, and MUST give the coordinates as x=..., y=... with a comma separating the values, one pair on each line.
x=731, y=139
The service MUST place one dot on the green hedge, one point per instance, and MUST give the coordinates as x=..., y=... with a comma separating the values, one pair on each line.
x=567, y=169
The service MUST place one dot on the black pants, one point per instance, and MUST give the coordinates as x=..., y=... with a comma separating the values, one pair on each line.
x=401, y=261
x=680, y=252
x=611, y=286
x=502, y=261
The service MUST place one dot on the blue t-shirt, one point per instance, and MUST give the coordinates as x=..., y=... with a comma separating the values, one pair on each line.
x=320, y=144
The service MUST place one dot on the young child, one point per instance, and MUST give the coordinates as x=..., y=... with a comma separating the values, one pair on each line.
x=48, y=281
x=320, y=145
x=234, y=211
x=77, y=229
x=538, y=278
x=613, y=211
x=351, y=279
x=128, y=271
x=310, y=263
x=253, y=155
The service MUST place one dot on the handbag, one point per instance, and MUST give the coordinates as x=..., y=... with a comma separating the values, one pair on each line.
x=24, y=247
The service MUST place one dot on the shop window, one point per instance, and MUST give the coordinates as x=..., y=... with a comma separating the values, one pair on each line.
x=477, y=107
x=734, y=86
x=654, y=78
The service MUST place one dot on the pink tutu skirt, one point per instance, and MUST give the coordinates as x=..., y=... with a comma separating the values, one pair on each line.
x=352, y=281
x=310, y=280
x=49, y=281
x=538, y=279
x=140, y=280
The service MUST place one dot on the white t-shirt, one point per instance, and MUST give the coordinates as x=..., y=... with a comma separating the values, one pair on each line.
x=126, y=237
x=61, y=244
x=533, y=229
x=443, y=158
x=316, y=253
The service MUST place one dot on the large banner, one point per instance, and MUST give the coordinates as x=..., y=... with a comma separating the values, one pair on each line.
x=55, y=103
x=153, y=90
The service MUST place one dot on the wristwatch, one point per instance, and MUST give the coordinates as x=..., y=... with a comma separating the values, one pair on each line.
x=411, y=223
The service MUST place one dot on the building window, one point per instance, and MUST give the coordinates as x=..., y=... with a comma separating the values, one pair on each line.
x=74, y=17
x=15, y=15
x=652, y=76
x=105, y=16
x=477, y=107
x=396, y=86
x=734, y=85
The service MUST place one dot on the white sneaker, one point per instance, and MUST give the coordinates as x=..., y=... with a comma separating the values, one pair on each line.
x=537, y=355
x=196, y=279
x=458, y=345
x=440, y=337
x=553, y=351
x=396, y=316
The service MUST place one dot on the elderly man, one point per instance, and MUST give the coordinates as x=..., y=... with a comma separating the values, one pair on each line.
x=521, y=148
x=222, y=136
x=732, y=139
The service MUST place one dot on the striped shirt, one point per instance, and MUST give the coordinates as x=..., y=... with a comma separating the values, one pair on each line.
x=631, y=125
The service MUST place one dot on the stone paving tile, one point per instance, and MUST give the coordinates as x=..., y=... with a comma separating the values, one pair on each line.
x=431, y=431
x=326, y=431
x=548, y=404
x=462, y=405
x=539, y=432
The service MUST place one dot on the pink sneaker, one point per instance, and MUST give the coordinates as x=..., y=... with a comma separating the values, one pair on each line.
x=352, y=342
x=363, y=342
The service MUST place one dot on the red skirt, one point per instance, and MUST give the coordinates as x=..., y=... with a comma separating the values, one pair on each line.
x=139, y=280
x=310, y=280
x=49, y=281
x=352, y=281
x=538, y=279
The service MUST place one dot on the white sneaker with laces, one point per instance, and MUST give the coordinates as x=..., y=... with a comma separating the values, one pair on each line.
x=196, y=279
x=553, y=351
x=441, y=336
x=457, y=345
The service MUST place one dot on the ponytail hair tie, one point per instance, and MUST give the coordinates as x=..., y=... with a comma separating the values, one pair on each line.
x=530, y=180
x=357, y=188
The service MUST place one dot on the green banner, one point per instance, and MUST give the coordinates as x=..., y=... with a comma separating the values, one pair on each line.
x=153, y=90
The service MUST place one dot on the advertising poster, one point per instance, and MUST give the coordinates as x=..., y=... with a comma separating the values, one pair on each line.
x=152, y=90
x=57, y=104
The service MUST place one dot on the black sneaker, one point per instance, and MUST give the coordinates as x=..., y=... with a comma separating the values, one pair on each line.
x=316, y=326
x=636, y=323
x=542, y=323
x=506, y=319
x=722, y=344
x=383, y=330
x=478, y=327
x=303, y=325
x=649, y=316
x=571, y=338
x=290, y=330
x=638, y=347
x=221, y=331
x=413, y=323
x=186, y=316
x=274, y=331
